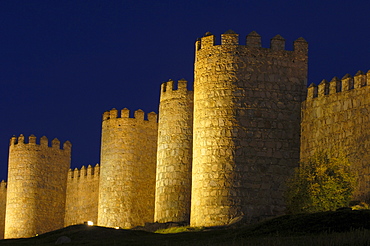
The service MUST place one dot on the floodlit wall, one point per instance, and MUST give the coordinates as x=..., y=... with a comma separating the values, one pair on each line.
x=82, y=195
x=336, y=117
x=127, y=171
x=246, y=126
x=37, y=181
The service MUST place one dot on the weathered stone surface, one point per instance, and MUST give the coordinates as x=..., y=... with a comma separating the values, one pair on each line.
x=246, y=126
x=174, y=154
x=36, y=192
x=339, y=121
x=82, y=195
x=127, y=171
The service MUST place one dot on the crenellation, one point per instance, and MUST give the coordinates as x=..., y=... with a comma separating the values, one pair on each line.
x=139, y=115
x=300, y=45
x=55, y=143
x=44, y=141
x=359, y=79
x=312, y=91
x=152, y=117
x=277, y=43
x=113, y=113
x=229, y=38
x=125, y=113
x=335, y=85
x=323, y=88
x=253, y=40
x=347, y=82
x=218, y=153
x=13, y=140
x=182, y=85
x=32, y=139
x=20, y=139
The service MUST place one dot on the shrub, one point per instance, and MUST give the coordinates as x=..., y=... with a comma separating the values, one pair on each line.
x=321, y=184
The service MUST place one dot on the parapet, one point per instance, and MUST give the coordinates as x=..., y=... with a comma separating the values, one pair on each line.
x=32, y=140
x=170, y=86
x=337, y=85
x=88, y=172
x=125, y=113
x=253, y=40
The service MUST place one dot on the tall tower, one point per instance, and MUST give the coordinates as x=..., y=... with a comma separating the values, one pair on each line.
x=37, y=180
x=246, y=126
x=174, y=156
x=127, y=171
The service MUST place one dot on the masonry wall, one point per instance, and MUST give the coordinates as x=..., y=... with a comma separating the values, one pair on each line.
x=174, y=155
x=246, y=126
x=336, y=116
x=2, y=207
x=36, y=192
x=82, y=195
x=128, y=166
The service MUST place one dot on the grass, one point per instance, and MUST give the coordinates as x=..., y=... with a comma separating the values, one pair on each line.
x=327, y=228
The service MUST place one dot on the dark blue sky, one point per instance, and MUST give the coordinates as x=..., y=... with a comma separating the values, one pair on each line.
x=63, y=63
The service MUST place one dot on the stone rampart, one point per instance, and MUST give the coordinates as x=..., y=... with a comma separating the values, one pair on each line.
x=127, y=171
x=36, y=192
x=82, y=195
x=246, y=126
x=336, y=116
x=3, y=191
x=174, y=154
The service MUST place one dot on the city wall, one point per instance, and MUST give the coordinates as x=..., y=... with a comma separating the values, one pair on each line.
x=2, y=208
x=36, y=190
x=246, y=126
x=82, y=195
x=174, y=153
x=336, y=116
x=128, y=167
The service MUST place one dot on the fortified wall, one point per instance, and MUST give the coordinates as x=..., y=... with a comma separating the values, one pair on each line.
x=174, y=153
x=37, y=182
x=82, y=195
x=336, y=116
x=128, y=164
x=218, y=153
x=246, y=126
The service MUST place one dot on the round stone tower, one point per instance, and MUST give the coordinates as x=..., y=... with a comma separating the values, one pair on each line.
x=174, y=155
x=246, y=126
x=127, y=171
x=37, y=180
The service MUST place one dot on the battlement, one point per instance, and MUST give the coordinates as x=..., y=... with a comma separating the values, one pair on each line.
x=88, y=172
x=253, y=40
x=43, y=141
x=170, y=86
x=125, y=113
x=3, y=184
x=336, y=85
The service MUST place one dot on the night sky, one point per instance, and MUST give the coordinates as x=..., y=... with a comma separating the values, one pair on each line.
x=63, y=63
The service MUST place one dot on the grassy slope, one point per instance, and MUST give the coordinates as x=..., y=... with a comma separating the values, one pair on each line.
x=301, y=229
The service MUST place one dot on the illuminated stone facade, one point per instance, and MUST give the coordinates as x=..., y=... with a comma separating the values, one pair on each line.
x=220, y=152
x=36, y=189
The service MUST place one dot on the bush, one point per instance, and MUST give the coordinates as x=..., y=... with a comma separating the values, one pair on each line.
x=321, y=184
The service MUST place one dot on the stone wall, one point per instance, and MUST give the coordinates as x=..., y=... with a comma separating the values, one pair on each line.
x=336, y=116
x=174, y=155
x=36, y=192
x=2, y=208
x=127, y=171
x=82, y=195
x=246, y=126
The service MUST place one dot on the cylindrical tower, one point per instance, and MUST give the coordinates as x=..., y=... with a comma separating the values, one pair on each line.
x=127, y=171
x=246, y=126
x=37, y=180
x=174, y=155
